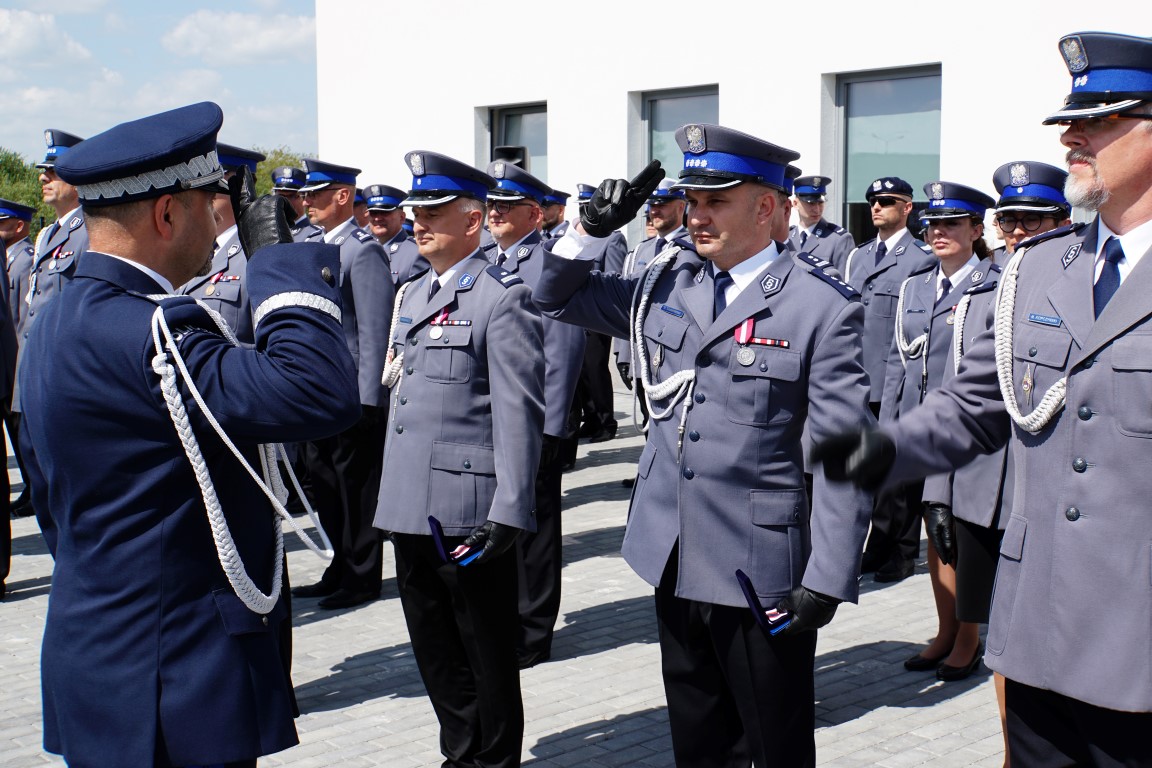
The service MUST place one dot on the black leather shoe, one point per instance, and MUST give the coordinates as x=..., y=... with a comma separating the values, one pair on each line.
x=606, y=433
x=628, y=482
x=920, y=663
x=319, y=589
x=951, y=674
x=529, y=659
x=346, y=598
x=23, y=510
x=892, y=573
x=871, y=562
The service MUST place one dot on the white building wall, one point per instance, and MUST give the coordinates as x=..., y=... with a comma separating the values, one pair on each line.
x=398, y=76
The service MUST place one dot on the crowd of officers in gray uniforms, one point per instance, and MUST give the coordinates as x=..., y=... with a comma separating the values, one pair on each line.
x=742, y=351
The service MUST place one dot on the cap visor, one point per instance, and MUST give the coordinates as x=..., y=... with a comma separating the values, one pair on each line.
x=705, y=182
x=384, y=208
x=506, y=196
x=1030, y=208
x=1081, y=111
x=315, y=187
x=420, y=201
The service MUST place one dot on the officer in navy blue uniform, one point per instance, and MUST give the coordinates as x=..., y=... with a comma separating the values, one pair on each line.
x=738, y=347
x=554, y=224
x=287, y=183
x=225, y=287
x=386, y=223
x=153, y=653
x=15, y=225
x=513, y=218
x=345, y=469
x=466, y=371
x=14, y=218
x=814, y=234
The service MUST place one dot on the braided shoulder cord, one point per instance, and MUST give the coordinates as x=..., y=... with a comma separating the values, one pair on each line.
x=958, y=330
x=1053, y=400
x=908, y=350
x=396, y=364
x=677, y=386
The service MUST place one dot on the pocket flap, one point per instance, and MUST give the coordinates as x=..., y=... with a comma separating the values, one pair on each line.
x=783, y=507
x=226, y=291
x=453, y=336
x=1132, y=353
x=665, y=329
x=769, y=363
x=238, y=619
x=886, y=287
x=1047, y=347
x=1012, y=545
x=461, y=457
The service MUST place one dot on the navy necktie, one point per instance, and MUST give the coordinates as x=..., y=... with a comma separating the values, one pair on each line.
x=945, y=289
x=1109, y=276
x=803, y=237
x=433, y=288
x=720, y=283
x=661, y=244
x=881, y=251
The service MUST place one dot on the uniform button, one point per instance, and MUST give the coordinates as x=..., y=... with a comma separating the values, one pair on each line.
x=864, y=302
x=870, y=286
x=693, y=435
x=403, y=401
x=1087, y=364
x=326, y=275
x=467, y=464
x=763, y=366
x=1072, y=514
x=408, y=370
x=925, y=329
x=1079, y=464
x=702, y=361
x=1084, y=412
x=1032, y=352
x=699, y=397
x=689, y=474
x=264, y=620
x=399, y=429
x=413, y=342
x=660, y=332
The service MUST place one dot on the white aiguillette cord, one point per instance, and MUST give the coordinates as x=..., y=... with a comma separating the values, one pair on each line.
x=272, y=484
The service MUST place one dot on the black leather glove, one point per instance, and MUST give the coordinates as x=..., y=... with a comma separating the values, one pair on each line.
x=625, y=374
x=863, y=457
x=616, y=202
x=549, y=450
x=941, y=528
x=266, y=221
x=810, y=610
x=494, y=538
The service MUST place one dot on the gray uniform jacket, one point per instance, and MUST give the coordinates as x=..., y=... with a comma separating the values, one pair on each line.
x=55, y=261
x=826, y=241
x=19, y=264
x=303, y=231
x=879, y=287
x=405, y=258
x=906, y=382
x=980, y=491
x=733, y=494
x=563, y=343
x=225, y=288
x=1072, y=605
x=467, y=416
x=634, y=266
x=366, y=285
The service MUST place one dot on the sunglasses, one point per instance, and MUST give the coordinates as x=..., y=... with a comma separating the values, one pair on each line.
x=887, y=202
x=1093, y=125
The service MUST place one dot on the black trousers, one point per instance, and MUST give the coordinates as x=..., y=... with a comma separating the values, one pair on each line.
x=594, y=387
x=896, y=517
x=462, y=621
x=735, y=696
x=13, y=422
x=345, y=480
x=1050, y=730
x=539, y=560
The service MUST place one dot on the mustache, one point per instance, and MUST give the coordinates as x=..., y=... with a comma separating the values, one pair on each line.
x=1080, y=156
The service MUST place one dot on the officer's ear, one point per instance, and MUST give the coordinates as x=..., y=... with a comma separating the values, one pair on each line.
x=162, y=215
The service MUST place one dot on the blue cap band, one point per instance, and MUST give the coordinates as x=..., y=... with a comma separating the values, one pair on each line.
x=507, y=185
x=15, y=214
x=807, y=190
x=391, y=202
x=1035, y=190
x=708, y=163
x=450, y=185
x=320, y=177
x=234, y=161
x=956, y=203
x=1112, y=80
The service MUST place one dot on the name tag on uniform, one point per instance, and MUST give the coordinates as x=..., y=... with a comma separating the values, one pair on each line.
x=406, y=320
x=1044, y=320
x=672, y=310
x=915, y=311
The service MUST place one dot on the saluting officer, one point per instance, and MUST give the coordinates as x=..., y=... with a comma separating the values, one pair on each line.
x=738, y=346
x=287, y=183
x=814, y=234
x=1066, y=360
x=466, y=372
x=386, y=223
x=161, y=646
x=225, y=287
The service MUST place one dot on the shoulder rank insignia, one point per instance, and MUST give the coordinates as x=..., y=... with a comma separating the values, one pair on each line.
x=363, y=236
x=841, y=230
x=503, y=276
x=818, y=270
x=926, y=248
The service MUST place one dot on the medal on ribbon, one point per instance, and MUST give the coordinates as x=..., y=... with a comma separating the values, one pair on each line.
x=743, y=334
x=438, y=325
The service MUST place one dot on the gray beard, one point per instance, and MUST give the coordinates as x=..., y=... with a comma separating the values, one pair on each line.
x=1087, y=193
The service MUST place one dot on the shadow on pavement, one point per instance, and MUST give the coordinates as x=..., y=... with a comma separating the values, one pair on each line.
x=602, y=628
x=383, y=672
x=619, y=740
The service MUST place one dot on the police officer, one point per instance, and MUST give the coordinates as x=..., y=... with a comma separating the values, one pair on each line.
x=737, y=346
x=287, y=183
x=921, y=348
x=225, y=287
x=1031, y=201
x=160, y=646
x=466, y=371
x=554, y=205
x=14, y=219
x=1063, y=360
x=813, y=233
x=877, y=269
x=345, y=469
x=15, y=225
x=513, y=218
x=386, y=223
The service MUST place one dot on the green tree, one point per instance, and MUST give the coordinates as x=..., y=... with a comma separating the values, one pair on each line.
x=274, y=158
x=20, y=183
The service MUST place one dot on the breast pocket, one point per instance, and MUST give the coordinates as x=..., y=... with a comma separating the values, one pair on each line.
x=762, y=385
x=1040, y=356
x=448, y=359
x=885, y=296
x=1132, y=384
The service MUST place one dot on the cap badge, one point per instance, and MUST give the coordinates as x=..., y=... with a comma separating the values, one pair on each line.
x=937, y=191
x=1018, y=175
x=1074, y=54
x=416, y=163
x=48, y=138
x=876, y=185
x=888, y=185
x=498, y=171
x=695, y=136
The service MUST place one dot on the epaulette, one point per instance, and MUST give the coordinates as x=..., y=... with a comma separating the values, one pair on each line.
x=503, y=276
x=684, y=243
x=488, y=246
x=924, y=267
x=1067, y=229
x=923, y=246
x=363, y=236
x=841, y=231
x=987, y=284
x=818, y=268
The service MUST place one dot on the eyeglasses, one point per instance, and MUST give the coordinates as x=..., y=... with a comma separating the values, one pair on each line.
x=1093, y=125
x=1030, y=222
x=886, y=202
x=504, y=207
x=316, y=193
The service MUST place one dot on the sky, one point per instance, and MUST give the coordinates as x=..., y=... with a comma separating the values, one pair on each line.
x=83, y=66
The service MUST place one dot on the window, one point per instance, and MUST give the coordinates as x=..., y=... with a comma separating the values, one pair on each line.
x=891, y=127
x=523, y=126
x=664, y=112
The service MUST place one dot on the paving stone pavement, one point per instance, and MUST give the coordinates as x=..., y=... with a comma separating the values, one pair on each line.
x=598, y=702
